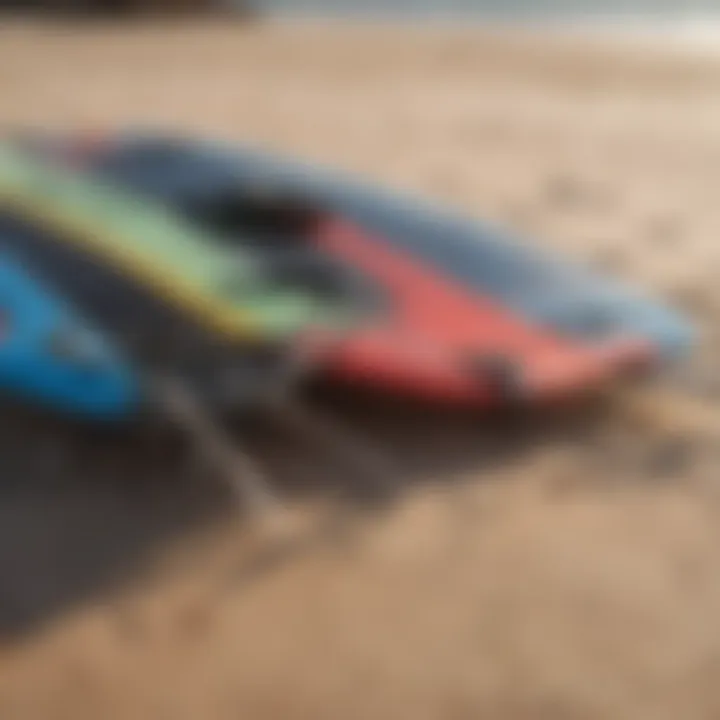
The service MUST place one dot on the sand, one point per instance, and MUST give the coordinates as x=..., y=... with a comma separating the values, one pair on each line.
x=574, y=575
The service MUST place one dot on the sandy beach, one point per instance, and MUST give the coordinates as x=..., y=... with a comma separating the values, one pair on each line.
x=573, y=576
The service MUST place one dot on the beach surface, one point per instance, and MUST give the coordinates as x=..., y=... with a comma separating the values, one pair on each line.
x=573, y=576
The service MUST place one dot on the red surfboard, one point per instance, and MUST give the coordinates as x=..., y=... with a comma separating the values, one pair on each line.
x=442, y=343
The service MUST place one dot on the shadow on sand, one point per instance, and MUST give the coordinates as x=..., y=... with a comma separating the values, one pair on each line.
x=82, y=509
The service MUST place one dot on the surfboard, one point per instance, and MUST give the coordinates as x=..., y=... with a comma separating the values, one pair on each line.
x=472, y=313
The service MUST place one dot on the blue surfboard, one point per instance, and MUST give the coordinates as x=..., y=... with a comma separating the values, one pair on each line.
x=50, y=356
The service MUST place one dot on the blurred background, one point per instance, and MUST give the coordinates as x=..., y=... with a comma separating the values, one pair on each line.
x=555, y=572
x=412, y=9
